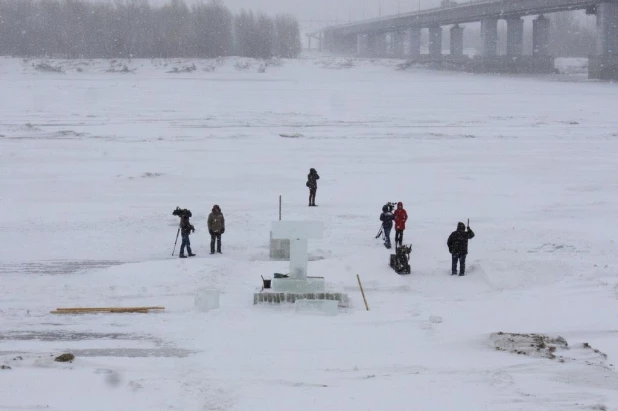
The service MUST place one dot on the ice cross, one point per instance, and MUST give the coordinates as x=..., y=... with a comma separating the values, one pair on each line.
x=298, y=232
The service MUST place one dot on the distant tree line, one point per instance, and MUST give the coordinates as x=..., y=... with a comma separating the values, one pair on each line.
x=134, y=28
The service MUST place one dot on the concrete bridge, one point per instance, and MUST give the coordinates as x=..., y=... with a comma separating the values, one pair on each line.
x=369, y=38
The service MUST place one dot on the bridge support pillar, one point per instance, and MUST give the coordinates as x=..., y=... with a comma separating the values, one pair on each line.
x=362, y=46
x=350, y=44
x=607, y=28
x=376, y=44
x=372, y=40
x=514, y=37
x=340, y=44
x=540, y=36
x=435, y=42
x=329, y=42
x=489, y=37
x=604, y=65
x=457, y=41
x=381, y=45
x=336, y=44
x=414, y=42
x=398, y=40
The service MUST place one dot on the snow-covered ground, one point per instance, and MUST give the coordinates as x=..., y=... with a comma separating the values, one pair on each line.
x=93, y=161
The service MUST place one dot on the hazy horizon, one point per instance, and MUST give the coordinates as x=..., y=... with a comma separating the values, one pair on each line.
x=315, y=14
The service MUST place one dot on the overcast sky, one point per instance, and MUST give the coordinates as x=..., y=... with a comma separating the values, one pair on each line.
x=314, y=14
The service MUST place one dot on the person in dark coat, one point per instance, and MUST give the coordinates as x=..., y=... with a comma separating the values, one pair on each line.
x=401, y=216
x=312, y=183
x=186, y=228
x=387, y=218
x=458, y=247
x=216, y=227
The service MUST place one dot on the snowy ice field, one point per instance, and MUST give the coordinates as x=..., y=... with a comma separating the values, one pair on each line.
x=92, y=163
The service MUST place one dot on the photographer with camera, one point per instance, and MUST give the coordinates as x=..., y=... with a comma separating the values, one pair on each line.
x=186, y=228
x=312, y=183
x=387, y=218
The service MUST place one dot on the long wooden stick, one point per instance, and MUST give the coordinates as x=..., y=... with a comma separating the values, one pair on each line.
x=103, y=309
x=279, y=208
x=362, y=291
x=111, y=310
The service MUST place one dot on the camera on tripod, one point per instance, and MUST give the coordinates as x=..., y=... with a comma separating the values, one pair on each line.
x=182, y=212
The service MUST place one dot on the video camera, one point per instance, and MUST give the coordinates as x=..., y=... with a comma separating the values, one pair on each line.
x=391, y=206
x=182, y=212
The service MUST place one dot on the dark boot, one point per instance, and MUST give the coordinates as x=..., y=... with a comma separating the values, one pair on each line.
x=191, y=255
x=182, y=256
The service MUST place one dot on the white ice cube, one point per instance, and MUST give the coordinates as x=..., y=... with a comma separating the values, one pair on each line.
x=316, y=307
x=207, y=299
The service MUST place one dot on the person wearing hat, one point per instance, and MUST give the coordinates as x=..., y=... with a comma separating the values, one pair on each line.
x=401, y=216
x=216, y=227
x=312, y=183
x=458, y=247
x=387, y=218
x=186, y=228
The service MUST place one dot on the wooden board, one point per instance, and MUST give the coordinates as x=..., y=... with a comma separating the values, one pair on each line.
x=93, y=310
x=109, y=308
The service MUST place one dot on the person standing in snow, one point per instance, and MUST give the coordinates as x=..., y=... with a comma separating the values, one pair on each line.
x=387, y=218
x=312, y=183
x=401, y=216
x=186, y=228
x=216, y=227
x=458, y=247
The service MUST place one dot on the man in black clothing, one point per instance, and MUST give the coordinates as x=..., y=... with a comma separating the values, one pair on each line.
x=186, y=228
x=387, y=219
x=312, y=183
x=458, y=247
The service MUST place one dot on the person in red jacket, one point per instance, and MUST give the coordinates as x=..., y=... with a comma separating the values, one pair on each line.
x=400, y=224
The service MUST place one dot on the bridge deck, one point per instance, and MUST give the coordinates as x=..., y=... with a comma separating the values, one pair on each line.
x=463, y=13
